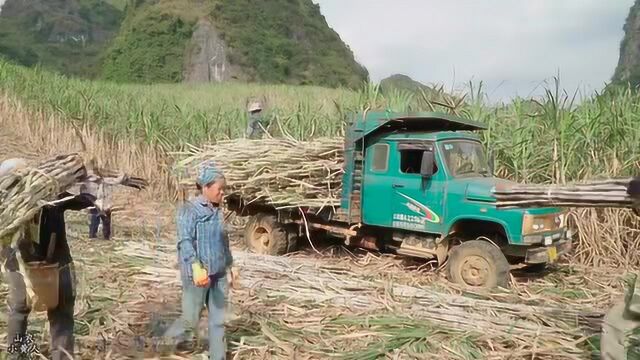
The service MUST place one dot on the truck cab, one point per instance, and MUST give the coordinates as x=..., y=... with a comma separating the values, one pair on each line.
x=420, y=185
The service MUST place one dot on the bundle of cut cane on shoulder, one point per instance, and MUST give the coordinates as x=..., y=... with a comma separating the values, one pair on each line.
x=616, y=193
x=280, y=172
x=25, y=191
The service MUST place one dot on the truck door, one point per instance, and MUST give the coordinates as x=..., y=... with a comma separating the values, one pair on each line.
x=376, y=190
x=417, y=203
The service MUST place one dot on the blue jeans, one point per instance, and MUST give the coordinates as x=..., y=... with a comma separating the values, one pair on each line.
x=94, y=218
x=193, y=301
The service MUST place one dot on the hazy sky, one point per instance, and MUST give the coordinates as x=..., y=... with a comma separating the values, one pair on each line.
x=512, y=46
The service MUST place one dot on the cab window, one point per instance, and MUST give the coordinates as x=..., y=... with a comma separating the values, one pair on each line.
x=411, y=161
x=380, y=161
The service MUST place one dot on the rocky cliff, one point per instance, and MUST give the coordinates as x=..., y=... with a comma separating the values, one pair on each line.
x=207, y=56
x=628, y=69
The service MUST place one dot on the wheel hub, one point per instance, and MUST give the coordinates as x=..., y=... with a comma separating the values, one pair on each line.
x=475, y=271
x=261, y=238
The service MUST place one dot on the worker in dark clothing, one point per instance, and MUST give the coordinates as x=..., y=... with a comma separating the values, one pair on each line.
x=45, y=240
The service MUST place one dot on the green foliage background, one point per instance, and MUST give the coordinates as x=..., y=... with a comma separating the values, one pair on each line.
x=286, y=41
x=145, y=41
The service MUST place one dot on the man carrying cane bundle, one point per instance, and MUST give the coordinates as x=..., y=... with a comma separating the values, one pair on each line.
x=43, y=241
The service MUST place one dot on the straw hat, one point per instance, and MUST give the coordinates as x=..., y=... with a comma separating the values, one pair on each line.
x=254, y=106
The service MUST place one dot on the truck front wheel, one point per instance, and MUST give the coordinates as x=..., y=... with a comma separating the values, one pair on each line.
x=478, y=263
x=263, y=234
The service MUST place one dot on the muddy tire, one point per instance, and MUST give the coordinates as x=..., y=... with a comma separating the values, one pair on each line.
x=263, y=234
x=478, y=263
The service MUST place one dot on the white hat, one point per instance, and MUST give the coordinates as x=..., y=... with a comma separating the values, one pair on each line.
x=10, y=165
x=255, y=106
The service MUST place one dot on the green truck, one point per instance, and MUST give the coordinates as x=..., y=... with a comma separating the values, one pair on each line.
x=420, y=185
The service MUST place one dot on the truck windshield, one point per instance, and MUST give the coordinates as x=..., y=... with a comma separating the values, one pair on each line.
x=465, y=158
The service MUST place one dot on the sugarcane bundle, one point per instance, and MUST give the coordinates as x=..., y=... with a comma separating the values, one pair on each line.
x=281, y=172
x=607, y=193
x=25, y=191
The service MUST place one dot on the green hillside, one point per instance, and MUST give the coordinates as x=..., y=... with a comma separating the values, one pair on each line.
x=146, y=41
x=402, y=82
x=65, y=36
x=286, y=41
x=151, y=44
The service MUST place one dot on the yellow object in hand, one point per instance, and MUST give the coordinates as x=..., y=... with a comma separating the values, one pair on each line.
x=200, y=275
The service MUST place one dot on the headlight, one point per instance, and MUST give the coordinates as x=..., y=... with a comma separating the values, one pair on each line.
x=533, y=224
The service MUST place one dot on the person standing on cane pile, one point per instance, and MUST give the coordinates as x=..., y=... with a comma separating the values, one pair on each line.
x=42, y=241
x=257, y=123
x=205, y=262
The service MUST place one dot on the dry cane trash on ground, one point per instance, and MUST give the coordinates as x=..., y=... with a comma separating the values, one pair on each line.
x=343, y=305
x=330, y=311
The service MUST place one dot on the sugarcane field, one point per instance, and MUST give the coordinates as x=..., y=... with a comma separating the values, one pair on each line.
x=226, y=180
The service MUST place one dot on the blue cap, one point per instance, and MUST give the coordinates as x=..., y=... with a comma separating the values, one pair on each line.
x=208, y=172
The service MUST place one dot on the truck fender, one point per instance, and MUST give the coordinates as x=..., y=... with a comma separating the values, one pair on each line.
x=443, y=246
x=493, y=221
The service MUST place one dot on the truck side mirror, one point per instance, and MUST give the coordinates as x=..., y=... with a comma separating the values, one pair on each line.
x=426, y=167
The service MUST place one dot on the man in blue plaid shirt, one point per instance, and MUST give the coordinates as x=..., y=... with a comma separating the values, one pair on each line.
x=204, y=257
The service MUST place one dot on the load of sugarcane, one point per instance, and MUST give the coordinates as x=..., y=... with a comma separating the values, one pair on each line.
x=26, y=190
x=618, y=193
x=280, y=172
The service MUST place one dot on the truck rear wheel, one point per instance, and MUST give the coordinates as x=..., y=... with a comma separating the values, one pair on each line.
x=263, y=234
x=478, y=263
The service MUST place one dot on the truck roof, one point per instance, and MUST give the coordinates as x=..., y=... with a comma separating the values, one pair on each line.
x=366, y=124
x=432, y=136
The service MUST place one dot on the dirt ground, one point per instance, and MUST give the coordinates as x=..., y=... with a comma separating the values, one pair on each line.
x=128, y=293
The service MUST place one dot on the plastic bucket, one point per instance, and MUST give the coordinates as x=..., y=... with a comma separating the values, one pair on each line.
x=42, y=283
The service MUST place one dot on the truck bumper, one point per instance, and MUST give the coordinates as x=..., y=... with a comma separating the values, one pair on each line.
x=547, y=254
